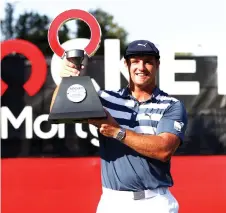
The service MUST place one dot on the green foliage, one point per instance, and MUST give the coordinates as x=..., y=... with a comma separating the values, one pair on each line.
x=7, y=27
x=33, y=27
x=109, y=29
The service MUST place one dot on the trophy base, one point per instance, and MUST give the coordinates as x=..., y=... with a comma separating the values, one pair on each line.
x=81, y=117
x=78, y=104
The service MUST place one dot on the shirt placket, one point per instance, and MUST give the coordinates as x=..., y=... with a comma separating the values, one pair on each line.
x=135, y=113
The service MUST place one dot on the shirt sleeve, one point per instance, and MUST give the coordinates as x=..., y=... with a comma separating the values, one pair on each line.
x=174, y=120
x=99, y=92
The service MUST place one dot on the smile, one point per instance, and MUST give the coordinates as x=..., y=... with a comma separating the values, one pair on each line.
x=141, y=74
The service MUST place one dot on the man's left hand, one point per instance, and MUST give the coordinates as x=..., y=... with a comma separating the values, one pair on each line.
x=108, y=126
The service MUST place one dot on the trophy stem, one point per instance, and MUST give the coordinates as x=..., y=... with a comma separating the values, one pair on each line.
x=76, y=57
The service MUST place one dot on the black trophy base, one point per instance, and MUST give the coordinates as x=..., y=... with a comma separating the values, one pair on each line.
x=66, y=111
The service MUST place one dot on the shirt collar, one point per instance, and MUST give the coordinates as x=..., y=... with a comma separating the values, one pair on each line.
x=126, y=93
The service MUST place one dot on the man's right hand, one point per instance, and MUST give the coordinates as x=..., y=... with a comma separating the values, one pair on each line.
x=69, y=69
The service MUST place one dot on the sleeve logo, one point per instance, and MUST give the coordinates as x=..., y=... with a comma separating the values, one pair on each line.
x=178, y=126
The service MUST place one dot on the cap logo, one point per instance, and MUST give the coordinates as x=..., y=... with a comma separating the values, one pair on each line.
x=144, y=45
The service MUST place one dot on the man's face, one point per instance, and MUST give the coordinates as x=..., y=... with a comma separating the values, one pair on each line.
x=142, y=70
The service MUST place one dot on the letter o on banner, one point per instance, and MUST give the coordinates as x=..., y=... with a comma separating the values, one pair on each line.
x=35, y=56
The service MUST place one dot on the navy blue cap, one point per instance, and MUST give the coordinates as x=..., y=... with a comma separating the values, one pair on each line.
x=141, y=47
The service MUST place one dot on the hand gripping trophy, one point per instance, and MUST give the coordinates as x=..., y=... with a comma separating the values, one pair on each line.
x=76, y=99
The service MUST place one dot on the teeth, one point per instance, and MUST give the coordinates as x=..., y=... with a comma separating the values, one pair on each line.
x=141, y=74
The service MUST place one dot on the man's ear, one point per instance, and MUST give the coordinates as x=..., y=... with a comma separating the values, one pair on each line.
x=127, y=63
x=158, y=63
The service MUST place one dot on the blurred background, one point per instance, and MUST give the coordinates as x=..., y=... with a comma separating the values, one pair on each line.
x=56, y=168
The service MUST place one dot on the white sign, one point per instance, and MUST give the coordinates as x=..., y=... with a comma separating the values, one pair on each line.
x=114, y=67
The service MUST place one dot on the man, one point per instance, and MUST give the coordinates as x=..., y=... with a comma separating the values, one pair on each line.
x=143, y=129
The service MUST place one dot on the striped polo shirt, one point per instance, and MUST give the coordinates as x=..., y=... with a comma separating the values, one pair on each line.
x=123, y=168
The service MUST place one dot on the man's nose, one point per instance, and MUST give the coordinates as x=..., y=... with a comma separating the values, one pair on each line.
x=141, y=65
